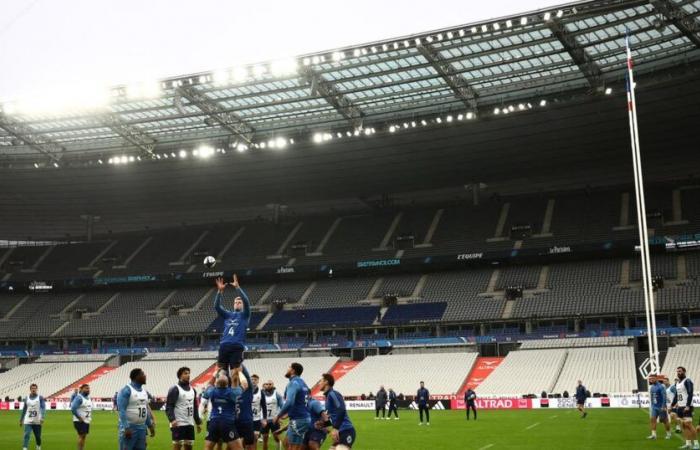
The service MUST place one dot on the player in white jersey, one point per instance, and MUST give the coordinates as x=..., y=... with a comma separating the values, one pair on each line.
x=134, y=413
x=273, y=403
x=259, y=407
x=32, y=418
x=182, y=411
x=683, y=401
x=81, y=407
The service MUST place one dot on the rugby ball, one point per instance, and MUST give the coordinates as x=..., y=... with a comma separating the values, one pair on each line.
x=209, y=262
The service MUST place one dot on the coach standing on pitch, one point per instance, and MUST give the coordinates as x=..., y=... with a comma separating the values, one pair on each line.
x=422, y=397
x=380, y=403
x=581, y=396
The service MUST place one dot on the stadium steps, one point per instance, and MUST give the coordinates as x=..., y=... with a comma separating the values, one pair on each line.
x=547, y=220
x=230, y=243
x=202, y=300
x=383, y=246
x=625, y=274
x=204, y=378
x=267, y=293
x=107, y=303
x=542, y=280
x=16, y=307
x=59, y=329
x=501, y=224
x=87, y=379
x=283, y=246
x=382, y=312
x=92, y=266
x=428, y=239
x=339, y=370
x=508, y=309
x=326, y=238
x=71, y=304
x=167, y=298
x=418, y=290
x=375, y=287
x=135, y=253
x=264, y=321
x=491, y=287
x=624, y=213
x=158, y=326
x=42, y=257
x=482, y=368
x=560, y=369
x=181, y=260
x=6, y=256
x=677, y=208
x=307, y=294
x=682, y=268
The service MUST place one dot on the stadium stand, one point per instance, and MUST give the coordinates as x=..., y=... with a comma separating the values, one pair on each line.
x=686, y=355
x=574, y=342
x=404, y=373
x=602, y=369
x=525, y=372
x=51, y=374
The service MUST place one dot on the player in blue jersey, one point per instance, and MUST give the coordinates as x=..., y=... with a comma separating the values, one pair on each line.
x=342, y=430
x=245, y=419
x=222, y=401
x=134, y=416
x=317, y=432
x=297, y=395
x=32, y=418
x=657, y=406
x=232, y=342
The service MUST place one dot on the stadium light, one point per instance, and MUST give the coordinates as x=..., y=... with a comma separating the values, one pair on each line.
x=461, y=33
x=392, y=129
x=287, y=66
x=547, y=16
x=470, y=115
x=460, y=117
x=183, y=154
x=484, y=28
x=438, y=119
x=474, y=30
x=36, y=166
x=496, y=111
x=560, y=13
x=239, y=74
x=318, y=138
x=429, y=39
x=131, y=159
x=374, y=49
x=496, y=26
x=523, y=21
x=449, y=119
x=509, y=23
x=99, y=161
x=281, y=142
x=449, y=35
x=124, y=159
x=337, y=56
x=608, y=91
x=423, y=122
x=55, y=164
x=543, y=102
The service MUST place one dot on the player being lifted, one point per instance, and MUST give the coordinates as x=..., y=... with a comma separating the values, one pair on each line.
x=81, y=407
x=232, y=343
x=32, y=418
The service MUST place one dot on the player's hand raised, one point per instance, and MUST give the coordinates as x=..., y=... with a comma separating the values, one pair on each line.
x=220, y=284
x=235, y=281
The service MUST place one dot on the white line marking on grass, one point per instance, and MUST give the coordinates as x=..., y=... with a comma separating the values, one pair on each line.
x=486, y=446
x=532, y=426
x=554, y=417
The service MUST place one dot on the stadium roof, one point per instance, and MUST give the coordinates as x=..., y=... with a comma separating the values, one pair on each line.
x=476, y=70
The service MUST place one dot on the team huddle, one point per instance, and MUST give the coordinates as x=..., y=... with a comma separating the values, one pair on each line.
x=238, y=412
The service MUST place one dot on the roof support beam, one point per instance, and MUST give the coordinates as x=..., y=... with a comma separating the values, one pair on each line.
x=680, y=19
x=40, y=143
x=450, y=75
x=228, y=120
x=130, y=133
x=327, y=90
x=583, y=60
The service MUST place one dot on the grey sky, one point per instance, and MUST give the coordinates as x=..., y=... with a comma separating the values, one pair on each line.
x=63, y=44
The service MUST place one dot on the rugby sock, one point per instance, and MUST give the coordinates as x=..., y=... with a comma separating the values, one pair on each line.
x=653, y=433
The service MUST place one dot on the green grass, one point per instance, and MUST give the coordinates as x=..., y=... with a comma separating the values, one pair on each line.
x=536, y=429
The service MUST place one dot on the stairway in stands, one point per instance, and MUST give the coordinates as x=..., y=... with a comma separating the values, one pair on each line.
x=338, y=371
x=87, y=379
x=481, y=370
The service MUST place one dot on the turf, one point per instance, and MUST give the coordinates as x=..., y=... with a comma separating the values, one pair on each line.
x=536, y=429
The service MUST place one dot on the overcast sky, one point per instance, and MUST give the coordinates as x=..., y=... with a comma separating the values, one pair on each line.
x=63, y=44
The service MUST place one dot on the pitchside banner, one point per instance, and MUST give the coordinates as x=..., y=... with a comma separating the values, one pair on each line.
x=494, y=403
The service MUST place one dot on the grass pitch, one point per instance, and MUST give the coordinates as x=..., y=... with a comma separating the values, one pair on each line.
x=523, y=430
